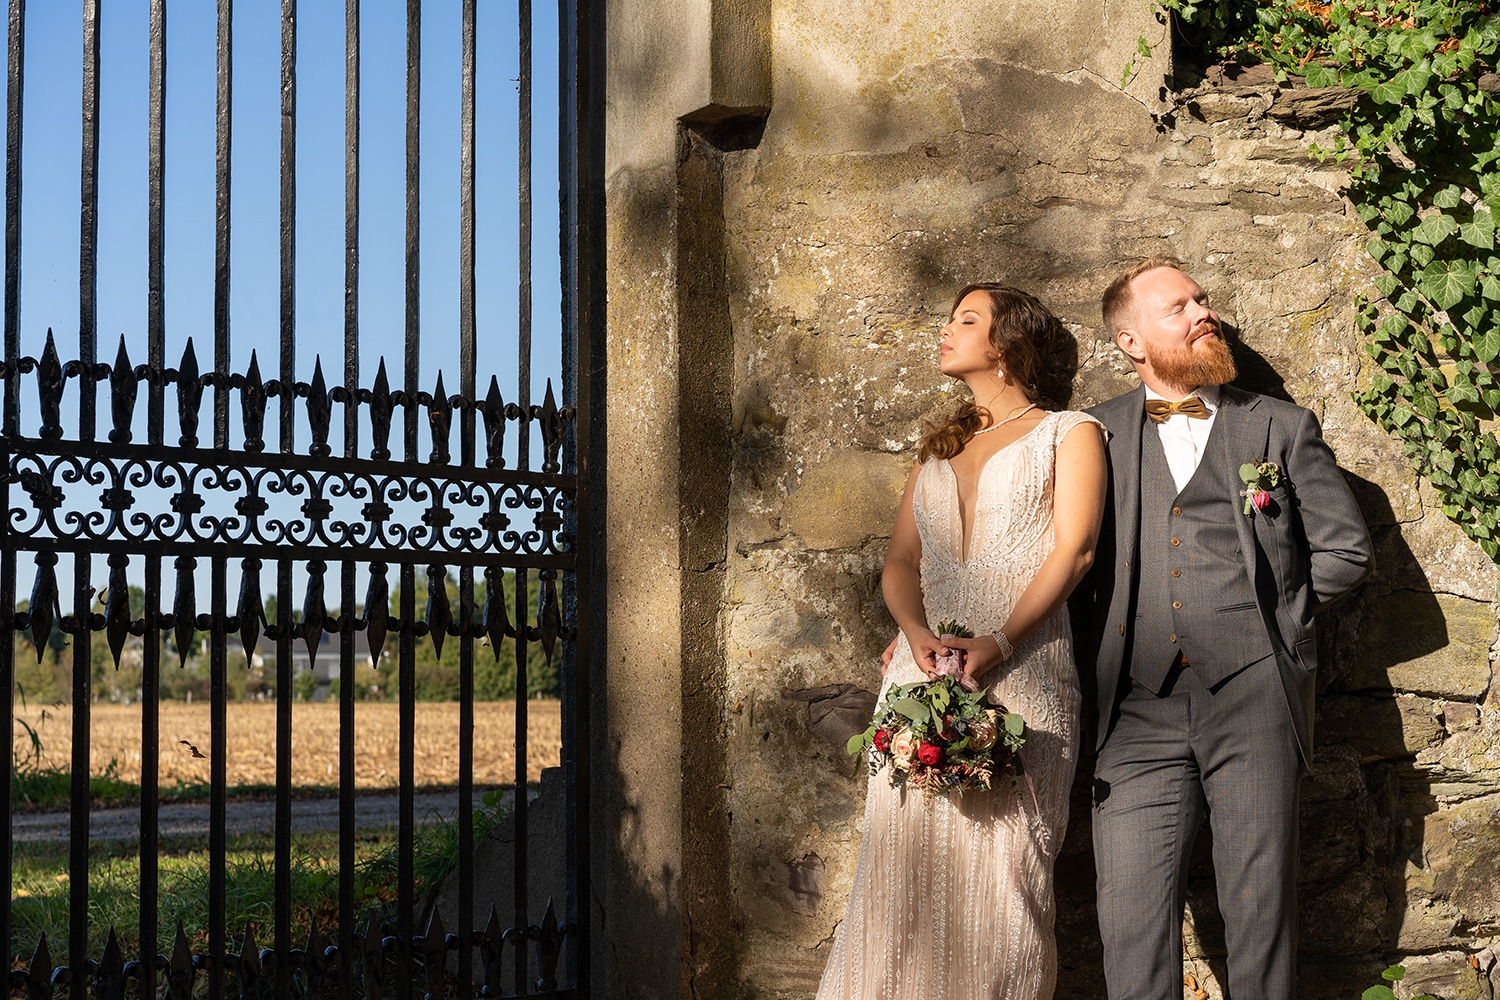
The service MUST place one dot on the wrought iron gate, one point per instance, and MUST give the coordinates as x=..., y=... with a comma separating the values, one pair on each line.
x=347, y=490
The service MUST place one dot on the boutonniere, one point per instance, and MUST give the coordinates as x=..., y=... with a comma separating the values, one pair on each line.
x=1260, y=478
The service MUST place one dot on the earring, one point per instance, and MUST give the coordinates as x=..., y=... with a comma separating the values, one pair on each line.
x=1000, y=373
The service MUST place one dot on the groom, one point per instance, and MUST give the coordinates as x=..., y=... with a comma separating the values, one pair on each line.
x=1229, y=527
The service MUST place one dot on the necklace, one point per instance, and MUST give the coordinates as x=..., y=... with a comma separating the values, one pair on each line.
x=997, y=426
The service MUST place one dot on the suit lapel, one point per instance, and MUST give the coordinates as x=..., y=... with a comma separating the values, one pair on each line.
x=1246, y=432
x=1125, y=460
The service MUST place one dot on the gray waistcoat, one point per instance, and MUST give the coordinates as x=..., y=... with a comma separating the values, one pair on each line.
x=1194, y=595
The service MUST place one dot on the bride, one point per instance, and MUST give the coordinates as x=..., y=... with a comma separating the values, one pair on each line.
x=952, y=897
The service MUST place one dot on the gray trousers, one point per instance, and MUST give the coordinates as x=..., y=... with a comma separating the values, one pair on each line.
x=1232, y=751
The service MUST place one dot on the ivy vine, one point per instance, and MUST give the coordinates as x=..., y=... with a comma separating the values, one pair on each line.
x=1423, y=142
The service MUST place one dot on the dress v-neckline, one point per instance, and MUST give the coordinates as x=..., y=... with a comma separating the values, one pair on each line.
x=965, y=538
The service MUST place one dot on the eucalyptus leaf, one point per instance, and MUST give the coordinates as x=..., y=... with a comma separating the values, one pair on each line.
x=912, y=709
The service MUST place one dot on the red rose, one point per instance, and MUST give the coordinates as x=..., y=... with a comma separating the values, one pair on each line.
x=882, y=740
x=929, y=754
x=1261, y=499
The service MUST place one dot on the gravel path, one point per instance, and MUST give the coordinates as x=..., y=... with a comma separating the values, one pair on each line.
x=190, y=819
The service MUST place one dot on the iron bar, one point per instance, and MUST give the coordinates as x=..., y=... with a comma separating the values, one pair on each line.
x=465, y=914
x=150, y=774
x=218, y=737
x=288, y=222
x=88, y=221
x=156, y=322
x=347, y=677
x=79, y=801
x=223, y=141
x=351, y=225
x=413, y=221
x=466, y=329
x=8, y=681
x=521, y=809
x=15, y=79
x=523, y=234
x=285, y=688
x=405, y=808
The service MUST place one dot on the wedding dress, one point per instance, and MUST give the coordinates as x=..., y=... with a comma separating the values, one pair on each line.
x=952, y=896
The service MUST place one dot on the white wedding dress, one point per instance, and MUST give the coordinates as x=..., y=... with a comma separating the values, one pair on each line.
x=952, y=897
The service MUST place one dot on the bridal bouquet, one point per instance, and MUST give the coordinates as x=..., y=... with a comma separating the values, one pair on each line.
x=939, y=737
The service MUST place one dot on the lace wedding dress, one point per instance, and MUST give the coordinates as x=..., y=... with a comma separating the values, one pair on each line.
x=952, y=897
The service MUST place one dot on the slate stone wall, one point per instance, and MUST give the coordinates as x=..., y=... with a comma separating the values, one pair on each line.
x=891, y=156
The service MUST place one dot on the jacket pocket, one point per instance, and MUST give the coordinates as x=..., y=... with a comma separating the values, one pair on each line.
x=1232, y=608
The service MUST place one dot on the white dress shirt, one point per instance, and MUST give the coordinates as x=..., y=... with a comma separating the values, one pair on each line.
x=1184, y=438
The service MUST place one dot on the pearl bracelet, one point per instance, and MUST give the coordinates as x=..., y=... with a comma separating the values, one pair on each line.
x=1006, y=649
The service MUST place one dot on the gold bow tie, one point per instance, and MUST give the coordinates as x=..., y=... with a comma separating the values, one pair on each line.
x=1160, y=409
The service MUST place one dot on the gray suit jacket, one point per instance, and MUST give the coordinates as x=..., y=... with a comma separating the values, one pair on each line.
x=1307, y=548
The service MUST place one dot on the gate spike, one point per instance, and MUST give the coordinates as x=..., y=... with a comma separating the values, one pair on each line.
x=252, y=611
x=547, y=938
x=494, y=426
x=492, y=954
x=43, y=607
x=377, y=612
x=373, y=954
x=180, y=969
x=318, y=410
x=434, y=955
x=189, y=396
x=122, y=389
x=109, y=976
x=552, y=429
x=184, y=608
x=496, y=618
x=253, y=406
x=248, y=966
x=440, y=420
x=117, y=607
x=381, y=404
x=549, y=621
x=314, y=963
x=314, y=610
x=439, y=613
x=49, y=389
x=39, y=973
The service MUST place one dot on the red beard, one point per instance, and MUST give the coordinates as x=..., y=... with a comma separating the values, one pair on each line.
x=1206, y=361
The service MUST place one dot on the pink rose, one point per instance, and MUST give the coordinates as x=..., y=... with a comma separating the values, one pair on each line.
x=904, y=749
x=1261, y=499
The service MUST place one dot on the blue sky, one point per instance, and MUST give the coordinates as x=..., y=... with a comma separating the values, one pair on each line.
x=50, y=184
x=50, y=193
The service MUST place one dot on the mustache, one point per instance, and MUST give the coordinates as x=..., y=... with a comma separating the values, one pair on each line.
x=1209, y=324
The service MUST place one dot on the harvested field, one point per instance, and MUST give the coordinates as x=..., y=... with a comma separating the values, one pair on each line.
x=251, y=742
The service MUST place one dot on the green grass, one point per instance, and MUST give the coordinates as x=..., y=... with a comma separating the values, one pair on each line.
x=40, y=887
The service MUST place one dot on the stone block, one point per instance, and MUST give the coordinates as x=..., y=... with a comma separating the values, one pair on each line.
x=849, y=497
x=1461, y=848
x=1428, y=643
x=1448, y=974
x=1379, y=728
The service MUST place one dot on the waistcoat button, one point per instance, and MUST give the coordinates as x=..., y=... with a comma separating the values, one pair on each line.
x=1176, y=541
x=1176, y=605
x=1177, y=572
x=1176, y=511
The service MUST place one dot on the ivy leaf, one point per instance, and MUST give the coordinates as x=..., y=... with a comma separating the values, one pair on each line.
x=1399, y=212
x=1321, y=76
x=1387, y=284
x=1490, y=286
x=1487, y=345
x=1435, y=229
x=1446, y=282
x=1480, y=232
x=1448, y=197
x=1421, y=255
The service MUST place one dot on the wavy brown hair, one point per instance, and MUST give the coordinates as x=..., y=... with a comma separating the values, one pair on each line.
x=1022, y=334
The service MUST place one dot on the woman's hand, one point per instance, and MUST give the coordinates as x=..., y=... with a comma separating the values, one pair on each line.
x=888, y=655
x=925, y=649
x=981, y=654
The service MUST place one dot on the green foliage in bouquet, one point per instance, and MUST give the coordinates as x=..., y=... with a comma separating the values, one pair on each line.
x=1423, y=144
x=950, y=627
x=938, y=737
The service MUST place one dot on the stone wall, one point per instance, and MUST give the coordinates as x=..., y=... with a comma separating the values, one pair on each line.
x=795, y=194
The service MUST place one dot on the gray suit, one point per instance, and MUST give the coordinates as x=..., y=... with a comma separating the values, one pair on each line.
x=1198, y=637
